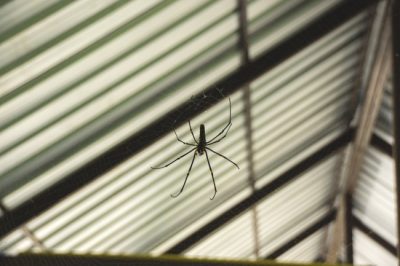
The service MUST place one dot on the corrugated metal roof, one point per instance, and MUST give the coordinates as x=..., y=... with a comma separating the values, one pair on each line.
x=375, y=203
x=296, y=206
x=302, y=100
x=308, y=250
x=375, y=194
x=79, y=77
x=284, y=214
x=369, y=252
x=238, y=232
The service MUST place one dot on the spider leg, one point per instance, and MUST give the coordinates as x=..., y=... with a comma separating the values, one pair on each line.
x=191, y=131
x=180, y=157
x=212, y=176
x=218, y=140
x=227, y=125
x=190, y=144
x=187, y=175
x=226, y=158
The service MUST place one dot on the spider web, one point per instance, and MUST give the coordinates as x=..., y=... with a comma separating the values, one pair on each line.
x=198, y=102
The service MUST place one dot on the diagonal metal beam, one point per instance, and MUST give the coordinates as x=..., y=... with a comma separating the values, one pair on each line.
x=382, y=145
x=368, y=114
x=374, y=236
x=159, y=128
x=329, y=217
x=27, y=232
x=364, y=55
x=268, y=189
x=370, y=108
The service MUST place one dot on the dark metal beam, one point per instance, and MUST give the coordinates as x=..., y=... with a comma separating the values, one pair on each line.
x=374, y=236
x=329, y=217
x=396, y=109
x=27, y=232
x=145, y=137
x=382, y=145
x=263, y=192
x=349, y=227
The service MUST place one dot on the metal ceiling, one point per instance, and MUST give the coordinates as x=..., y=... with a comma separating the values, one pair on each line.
x=90, y=93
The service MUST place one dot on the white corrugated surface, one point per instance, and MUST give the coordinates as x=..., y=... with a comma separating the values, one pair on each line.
x=79, y=77
x=375, y=203
x=368, y=252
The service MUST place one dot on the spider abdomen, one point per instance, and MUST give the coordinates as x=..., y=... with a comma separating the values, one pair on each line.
x=202, y=140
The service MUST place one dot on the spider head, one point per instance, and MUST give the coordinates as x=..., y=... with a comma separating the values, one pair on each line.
x=200, y=151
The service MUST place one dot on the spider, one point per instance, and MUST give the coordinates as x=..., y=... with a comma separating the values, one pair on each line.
x=201, y=146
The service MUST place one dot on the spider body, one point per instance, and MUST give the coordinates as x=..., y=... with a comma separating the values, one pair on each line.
x=200, y=147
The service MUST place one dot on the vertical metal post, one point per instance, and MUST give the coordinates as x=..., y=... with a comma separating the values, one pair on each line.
x=243, y=40
x=396, y=109
x=349, y=227
x=244, y=49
